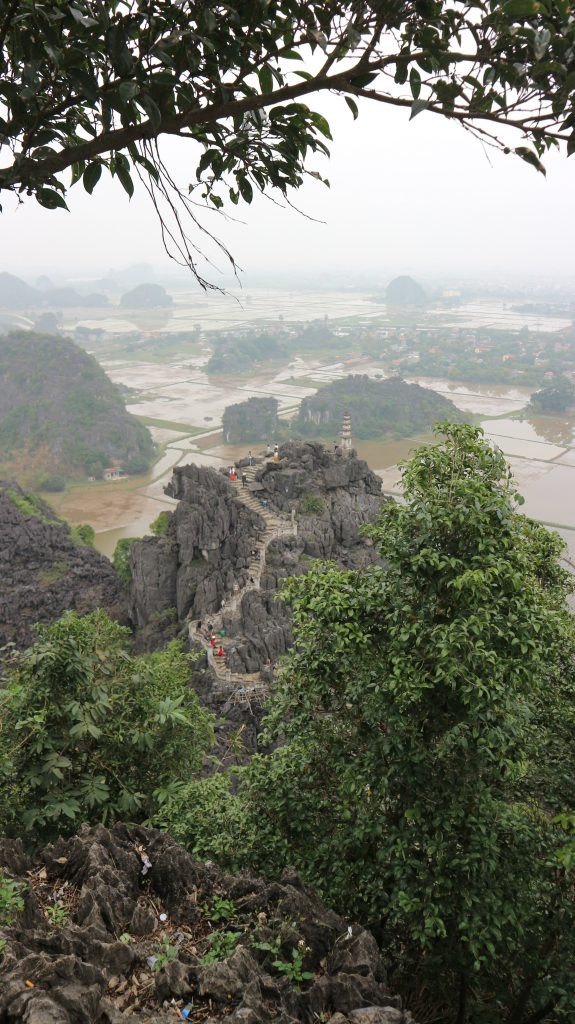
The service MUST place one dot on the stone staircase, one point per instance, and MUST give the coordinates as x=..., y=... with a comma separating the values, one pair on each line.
x=243, y=685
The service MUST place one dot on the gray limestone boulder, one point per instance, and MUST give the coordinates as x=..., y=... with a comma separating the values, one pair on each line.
x=138, y=940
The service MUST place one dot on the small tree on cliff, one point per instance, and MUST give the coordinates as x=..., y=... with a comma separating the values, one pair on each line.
x=428, y=716
x=90, y=733
x=91, y=86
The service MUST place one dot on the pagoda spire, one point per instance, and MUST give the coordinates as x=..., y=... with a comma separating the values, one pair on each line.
x=345, y=434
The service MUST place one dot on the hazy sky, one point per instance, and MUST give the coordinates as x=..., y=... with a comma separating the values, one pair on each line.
x=417, y=197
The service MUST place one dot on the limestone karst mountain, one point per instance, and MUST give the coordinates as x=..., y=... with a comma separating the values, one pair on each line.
x=404, y=291
x=310, y=504
x=60, y=412
x=378, y=408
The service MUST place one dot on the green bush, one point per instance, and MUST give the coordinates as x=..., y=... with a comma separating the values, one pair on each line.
x=83, y=533
x=312, y=505
x=161, y=523
x=121, y=558
x=28, y=505
x=53, y=484
x=90, y=733
x=11, y=899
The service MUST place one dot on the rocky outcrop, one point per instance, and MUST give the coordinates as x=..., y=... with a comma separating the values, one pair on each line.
x=332, y=497
x=203, y=558
x=123, y=923
x=43, y=572
x=203, y=555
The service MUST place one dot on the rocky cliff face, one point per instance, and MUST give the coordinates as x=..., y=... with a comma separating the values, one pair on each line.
x=43, y=572
x=203, y=555
x=136, y=936
x=332, y=497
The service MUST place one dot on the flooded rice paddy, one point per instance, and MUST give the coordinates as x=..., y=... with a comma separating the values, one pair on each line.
x=187, y=406
x=238, y=308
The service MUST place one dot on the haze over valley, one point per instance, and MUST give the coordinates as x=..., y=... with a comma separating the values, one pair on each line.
x=180, y=358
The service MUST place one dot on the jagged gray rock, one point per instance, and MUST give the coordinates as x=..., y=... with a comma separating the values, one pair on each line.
x=204, y=556
x=43, y=572
x=205, y=552
x=345, y=495
x=82, y=972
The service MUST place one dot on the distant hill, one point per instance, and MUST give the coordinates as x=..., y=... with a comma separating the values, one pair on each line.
x=254, y=420
x=16, y=294
x=404, y=291
x=378, y=408
x=146, y=296
x=239, y=354
x=60, y=413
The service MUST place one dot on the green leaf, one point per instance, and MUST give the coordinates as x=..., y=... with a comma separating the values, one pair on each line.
x=352, y=106
x=92, y=176
x=416, y=107
x=50, y=199
x=151, y=109
x=521, y=9
x=362, y=81
x=265, y=78
x=321, y=124
x=246, y=190
x=530, y=158
x=77, y=171
x=415, y=83
x=123, y=174
x=127, y=91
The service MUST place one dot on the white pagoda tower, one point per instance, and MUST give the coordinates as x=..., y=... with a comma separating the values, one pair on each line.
x=345, y=434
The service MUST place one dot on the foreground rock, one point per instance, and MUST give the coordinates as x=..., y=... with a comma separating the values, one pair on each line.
x=124, y=923
x=44, y=572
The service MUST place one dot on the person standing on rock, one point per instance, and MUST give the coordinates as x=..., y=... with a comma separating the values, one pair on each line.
x=220, y=653
x=212, y=642
x=250, y=459
x=244, y=479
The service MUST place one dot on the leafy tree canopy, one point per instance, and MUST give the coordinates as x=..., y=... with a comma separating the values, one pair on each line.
x=91, y=85
x=121, y=558
x=426, y=777
x=556, y=397
x=90, y=733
